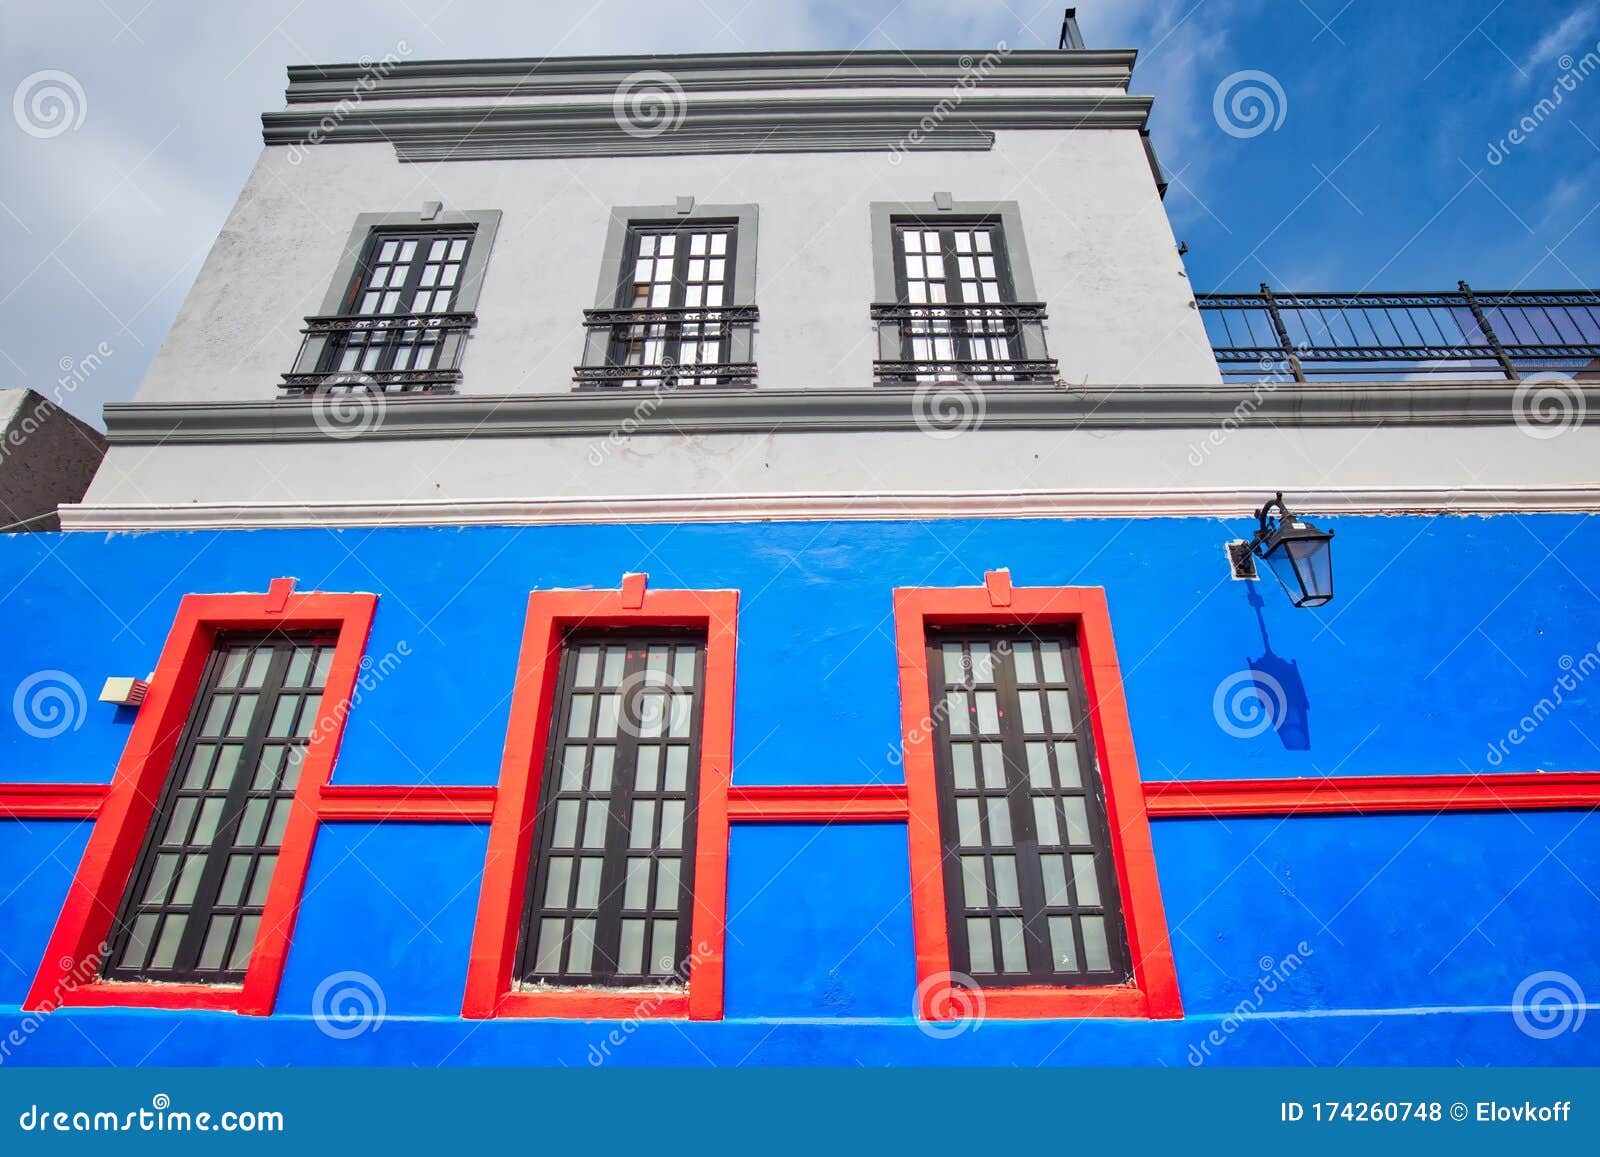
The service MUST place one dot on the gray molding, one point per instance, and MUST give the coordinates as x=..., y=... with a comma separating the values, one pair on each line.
x=884, y=214
x=876, y=123
x=611, y=272
x=765, y=411
x=702, y=72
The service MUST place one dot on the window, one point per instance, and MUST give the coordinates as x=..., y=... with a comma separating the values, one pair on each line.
x=949, y=304
x=614, y=878
x=187, y=891
x=1028, y=873
x=195, y=902
x=1033, y=877
x=676, y=306
x=397, y=316
x=606, y=870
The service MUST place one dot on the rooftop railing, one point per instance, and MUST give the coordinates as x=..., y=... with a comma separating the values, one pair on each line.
x=1365, y=336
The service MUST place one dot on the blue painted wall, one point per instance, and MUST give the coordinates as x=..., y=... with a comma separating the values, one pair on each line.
x=1446, y=635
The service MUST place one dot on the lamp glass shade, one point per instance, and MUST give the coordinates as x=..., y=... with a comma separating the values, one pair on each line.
x=1302, y=558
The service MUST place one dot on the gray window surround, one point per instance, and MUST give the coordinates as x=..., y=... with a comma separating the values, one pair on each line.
x=941, y=209
x=484, y=222
x=597, y=342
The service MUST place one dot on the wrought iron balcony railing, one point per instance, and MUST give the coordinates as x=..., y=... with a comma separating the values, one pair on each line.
x=668, y=348
x=403, y=353
x=981, y=343
x=1354, y=336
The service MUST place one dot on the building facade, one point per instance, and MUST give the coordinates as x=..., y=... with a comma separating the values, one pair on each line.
x=725, y=559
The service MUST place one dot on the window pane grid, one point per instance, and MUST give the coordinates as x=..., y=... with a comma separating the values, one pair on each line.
x=676, y=268
x=1031, y=889
x=403, y=275
x=612, y=887
x=956, y=266
x=194, y=906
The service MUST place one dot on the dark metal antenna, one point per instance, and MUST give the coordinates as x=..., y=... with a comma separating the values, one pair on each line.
x=1070, y=36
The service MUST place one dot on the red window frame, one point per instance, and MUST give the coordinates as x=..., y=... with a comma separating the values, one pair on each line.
x=112, y=852
x=1154, y=991
x=489, y=988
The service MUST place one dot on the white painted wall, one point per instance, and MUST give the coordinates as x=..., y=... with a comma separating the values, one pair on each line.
x=1102, y=252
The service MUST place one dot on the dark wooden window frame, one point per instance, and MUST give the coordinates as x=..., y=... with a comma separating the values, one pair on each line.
x=1024, y=848
x=609, y=912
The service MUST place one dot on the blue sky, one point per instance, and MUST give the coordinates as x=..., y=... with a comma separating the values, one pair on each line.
x=1376, y=174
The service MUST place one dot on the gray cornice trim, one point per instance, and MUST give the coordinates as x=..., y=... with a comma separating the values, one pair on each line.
x=1160, y=502
x=877, y=123
x=589, y=413
x=738, y=71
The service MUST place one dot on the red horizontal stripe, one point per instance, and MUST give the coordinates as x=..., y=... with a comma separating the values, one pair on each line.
x=1364, y=794
x=821, y=803
x=431, y=803
x=51, y=801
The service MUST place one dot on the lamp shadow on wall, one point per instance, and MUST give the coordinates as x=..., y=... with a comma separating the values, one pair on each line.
x=1278, y=682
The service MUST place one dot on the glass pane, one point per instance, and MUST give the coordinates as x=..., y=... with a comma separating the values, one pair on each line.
x=647, y=769
x=588, y=666
x=171, y=934
x=1095, y=956
x=601, y=760
x=243, y=943
x=558, y=882
x=1060, y=713
x=216, y=941
x=548, y=958
x=683, y=668
x=630, y=956
x=572, y=769
x=982, y=664
x=155, y=892
x=283, y=716
x=1055, y=880
x=677, y=768
x=216, y=715
x=178, y=826
x=144, y=927
x=644, y=818
x=681, y=717
x=244, y=709
x=581, y=957
x=232, y=667
x=1084, y=880
x=967, y=823
x=994, y=767
x=663, y=947
x=1023, y=657
x=1063, y=951
x=299, y=667
x=578, y=719
x=979, y=945
x=1032, y=714
x=594, y=824
x=1077, y=819
x=999, y=821
x=667, y=884
x=206, y=828
x=255, y=814
x=199, y=765
x=261, y=881
x=188, y=880
x=974, y=884
x=1039, y=765
x=280, y=820
x=956, y=713
x=636, y=893
x=1013, y=951
x=259, y=662
x=954, y=675
x=615, y=658
x=988, y=712
x=1067, y=764
x=671, y=824
x=233, y=880
x=308, y=715
x=610, y=716
x=961, y=759
x=1050, y=662
x=1005, y=882
x=566, y=828
x=1044, y=821
x=589, y=883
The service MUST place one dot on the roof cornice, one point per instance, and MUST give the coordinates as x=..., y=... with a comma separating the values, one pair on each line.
x=728, y=71
x=805, y=124
x=770, y=411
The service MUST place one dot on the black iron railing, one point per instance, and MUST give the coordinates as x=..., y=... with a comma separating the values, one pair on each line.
x=409, y=353
x=670, y=347
x=983, y=343
x=1372, y=335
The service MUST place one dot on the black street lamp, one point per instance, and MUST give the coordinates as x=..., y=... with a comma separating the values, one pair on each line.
x=1298, y=553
